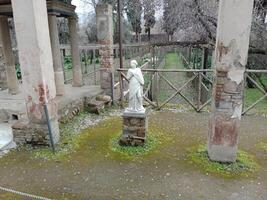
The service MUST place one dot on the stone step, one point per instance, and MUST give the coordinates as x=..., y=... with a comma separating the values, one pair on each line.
x=98, y=104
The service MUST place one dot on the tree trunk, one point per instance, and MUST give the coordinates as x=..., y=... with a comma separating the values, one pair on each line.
x=149, y=35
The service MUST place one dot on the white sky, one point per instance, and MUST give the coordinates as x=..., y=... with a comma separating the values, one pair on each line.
x=83, y=9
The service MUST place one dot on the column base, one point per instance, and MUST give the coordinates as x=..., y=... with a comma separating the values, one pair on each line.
x=25, y=132
x=223, y=138
x=77, y=78
x=134, y=129
x=59, y=81
x=105, y=79
x=222, y=153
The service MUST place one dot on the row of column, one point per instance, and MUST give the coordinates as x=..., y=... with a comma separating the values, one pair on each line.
x=12, y=82
x=41, y=66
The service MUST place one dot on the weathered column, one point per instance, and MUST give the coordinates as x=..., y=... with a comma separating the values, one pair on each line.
x=12, y=82
x=57, y=62
x=31, y=25
x=3, y=80
x=104, y=22
x=75, y=53
x=234, y=25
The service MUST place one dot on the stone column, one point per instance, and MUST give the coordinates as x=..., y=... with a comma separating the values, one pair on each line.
x=12, y=82
x=31, y=25
x=75, y=53
x=104, y=22
x=57, y=63
x=3, y=80
x=233, y=31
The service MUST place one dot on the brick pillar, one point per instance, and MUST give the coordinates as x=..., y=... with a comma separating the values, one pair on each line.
x=11, y=76
x=233, y=31
x=75, y=53
x=57, y=62
x=105, y=38
x=31, y=25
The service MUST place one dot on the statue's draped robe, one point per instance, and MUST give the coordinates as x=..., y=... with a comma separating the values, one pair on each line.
x=136, y=82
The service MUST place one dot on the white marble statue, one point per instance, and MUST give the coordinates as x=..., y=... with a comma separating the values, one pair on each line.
x=136, y=83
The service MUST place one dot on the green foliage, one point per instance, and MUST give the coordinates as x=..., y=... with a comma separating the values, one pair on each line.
x=173, y=61
x=251, y=96
x=68, y=62
x=131, y=151
x=170, y=24
x=134, y=13
x=149, y=15
x=244, y=166
x=18, y=71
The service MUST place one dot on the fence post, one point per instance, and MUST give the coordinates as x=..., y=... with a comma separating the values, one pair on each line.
x=112, y=86
x=199, y=90
x=63, y=65
x=94, y=61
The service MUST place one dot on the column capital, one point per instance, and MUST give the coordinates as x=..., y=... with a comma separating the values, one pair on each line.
x=53, y=13
x=73, y=17
x=3, y=16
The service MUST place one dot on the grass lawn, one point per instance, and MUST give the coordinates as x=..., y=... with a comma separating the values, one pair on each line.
x=173, y=61
x=251, y=96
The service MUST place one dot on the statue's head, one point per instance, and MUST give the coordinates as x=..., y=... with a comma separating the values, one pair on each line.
x=134, y=64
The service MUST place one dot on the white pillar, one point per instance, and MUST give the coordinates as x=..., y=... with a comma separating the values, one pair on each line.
x=57, y=63
x=233, y=31
x=31, y=25
x=12, y=82
x=75, y=53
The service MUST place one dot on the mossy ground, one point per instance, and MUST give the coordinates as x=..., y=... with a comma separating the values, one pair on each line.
x=132, y=151
x=243, y=167
x=263, y=146
x=101, y=138
x=70, y=136
x=93, y=170
x=68, y=143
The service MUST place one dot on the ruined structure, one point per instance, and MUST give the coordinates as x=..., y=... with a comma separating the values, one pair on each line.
x=234, y=24
x=40, y=62
x=104, y=22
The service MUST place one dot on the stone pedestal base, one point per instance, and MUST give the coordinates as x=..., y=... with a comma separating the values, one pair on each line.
x=134, y=129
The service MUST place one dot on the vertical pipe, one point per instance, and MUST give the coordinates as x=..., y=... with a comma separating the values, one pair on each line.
x=199, y=89
x=49, y=128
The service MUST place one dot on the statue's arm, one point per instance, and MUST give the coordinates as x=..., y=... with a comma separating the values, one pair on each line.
x=129, y=75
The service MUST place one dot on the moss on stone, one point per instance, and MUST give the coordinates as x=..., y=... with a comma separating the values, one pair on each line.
x=243, y=167
x=131, y=151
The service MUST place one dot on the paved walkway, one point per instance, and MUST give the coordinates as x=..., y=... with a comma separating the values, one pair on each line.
x=13, y=106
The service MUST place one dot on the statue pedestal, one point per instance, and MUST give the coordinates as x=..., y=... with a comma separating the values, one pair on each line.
x=134, y=128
